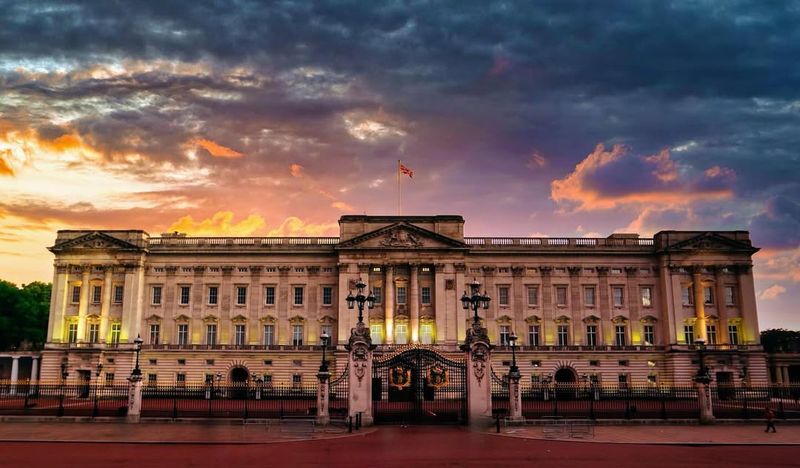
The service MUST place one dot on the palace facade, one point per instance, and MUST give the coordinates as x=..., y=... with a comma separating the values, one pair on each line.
x=616, y=310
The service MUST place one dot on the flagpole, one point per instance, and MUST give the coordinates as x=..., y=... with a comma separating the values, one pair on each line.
x=399, y=193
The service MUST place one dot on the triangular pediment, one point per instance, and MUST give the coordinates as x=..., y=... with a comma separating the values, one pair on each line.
x=710, y=241
x=402, y=236
x=94, y=241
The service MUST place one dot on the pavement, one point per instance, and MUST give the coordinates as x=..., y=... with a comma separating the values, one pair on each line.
x=652, y=434
x=214, y=432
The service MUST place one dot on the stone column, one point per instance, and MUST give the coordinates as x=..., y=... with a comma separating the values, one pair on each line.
x=722, y=312
x=132, y=302
x=785, y=375
x=14, y=374
x=514, y=397
x=461, y=314
x=479, y=381
x=255, y=305
x=606, y=330
x=747, y=305
x=699, y=305
x=282, y=326
x=388, y=301
x=518, y=299
x=413, y=298
x=704, y=397
x=58, y=303
x=547, y=337
x=105, y=306
x=323, y=417
x=83, y=306
x=134, y=398
x=34, y=375
x=226, y=298
x=575, y=303
x=360, y=364
x=446, y=319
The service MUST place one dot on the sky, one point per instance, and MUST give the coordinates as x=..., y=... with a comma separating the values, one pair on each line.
x=547, y=118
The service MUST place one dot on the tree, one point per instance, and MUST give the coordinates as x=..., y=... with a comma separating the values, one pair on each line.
x=23, y=314
x=777, y=340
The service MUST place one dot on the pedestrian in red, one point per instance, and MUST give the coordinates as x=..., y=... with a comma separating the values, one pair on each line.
x=770, y=415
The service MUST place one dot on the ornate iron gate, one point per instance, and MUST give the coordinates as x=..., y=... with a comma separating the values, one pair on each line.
x=419, y=386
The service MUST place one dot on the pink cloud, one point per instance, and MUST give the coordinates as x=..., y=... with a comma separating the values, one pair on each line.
x=772, y=292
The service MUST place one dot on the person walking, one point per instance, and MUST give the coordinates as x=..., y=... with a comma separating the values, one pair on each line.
x=770, y=415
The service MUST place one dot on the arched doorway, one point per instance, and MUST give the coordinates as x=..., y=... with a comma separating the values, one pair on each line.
x=566, y=380
x=239, y=378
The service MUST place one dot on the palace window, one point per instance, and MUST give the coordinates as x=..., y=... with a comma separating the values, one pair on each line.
x=109, y=379
x=533, y=296
x=733, y=334
x=425, y=294
x=708, y=296
x=426, y=333
x=239, y=335
x=589, y=296
x=591, y=335
x=76, y=294
x=269, y=295
x=116, y=329
x=155, y=331
x=377, y=291
x=730, y=295
x=623, y=380
x=94, y=333
x=618, y=295
x=213, y=295
x=185, y=295
x=533, y=335
x=241, y=295
x=152, y=380
x=688, y=334
x=156, y=295
x=72, y=333
x=687, y=295
x=298, y=295
x=211, y=334
x=563, y=335
x=502, y=295
x=619, y=335
x=180, y=379
x=297, y=335
x=561, y=295
x=401, y=333
x=183, y=334
x=97, y=292
x=119, y=292
x=649, y=335
x=401, y=295
x=647, y=296
x=376, y=333
x=711, y=333
x=269, y=335
x=297, y=380
x=327, y=295
x=505, y=332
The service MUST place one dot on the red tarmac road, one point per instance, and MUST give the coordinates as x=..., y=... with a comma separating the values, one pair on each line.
x=400, y=447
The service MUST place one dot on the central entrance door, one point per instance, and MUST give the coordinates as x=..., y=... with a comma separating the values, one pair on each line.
x=419, y=386
x=239, y=381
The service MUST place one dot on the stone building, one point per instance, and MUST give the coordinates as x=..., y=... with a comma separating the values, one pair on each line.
x=616, y=310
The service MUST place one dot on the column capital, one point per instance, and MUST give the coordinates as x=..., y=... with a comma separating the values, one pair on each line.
x=574, y=270
x=171, y=270
x=284, y=269
x=313, y=269
x=743, y=268
x=62, y=268
x=488, y=269
x=545, y=270
x=602, y=270
x=255, y=269
x=363, y=267
x=631, y=270
x=460, y=267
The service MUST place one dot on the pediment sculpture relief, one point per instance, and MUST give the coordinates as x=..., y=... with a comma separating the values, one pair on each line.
x=400, y=238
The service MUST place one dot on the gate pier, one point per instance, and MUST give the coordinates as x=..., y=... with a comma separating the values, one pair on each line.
x=479, y=382
x=360, y=368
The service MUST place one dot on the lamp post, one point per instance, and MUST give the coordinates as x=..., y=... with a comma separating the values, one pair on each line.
x=513, y=370
x=702, y=375
x=64, y=375
x=323, y=367
x=95, y=409
x=475, y=300
x=137, y=347
x=360, y=299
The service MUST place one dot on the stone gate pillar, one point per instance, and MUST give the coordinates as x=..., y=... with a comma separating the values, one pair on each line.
x=360, y=387
x=479, y=382
x=323, y=417
x=134, y=397
x=704, y=397
x=514, y=397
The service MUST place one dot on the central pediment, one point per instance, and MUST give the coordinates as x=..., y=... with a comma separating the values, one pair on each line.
x=94, y=240
x=401, y=236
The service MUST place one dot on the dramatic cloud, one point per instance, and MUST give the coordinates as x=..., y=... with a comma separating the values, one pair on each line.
x=294, y=226
x=772, y=292
x=607, y=179
x=220, y=224
x=218, y=150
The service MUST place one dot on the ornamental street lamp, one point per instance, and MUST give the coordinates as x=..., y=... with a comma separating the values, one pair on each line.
x=64, y=375
x=702, y=375
x=137, y=347
x=360, y=299
x=325, y=338
x=513, y=370
x=475, y=300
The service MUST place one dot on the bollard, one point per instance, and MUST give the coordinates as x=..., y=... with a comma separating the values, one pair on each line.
x=358, y=420
x=350, y=424
x=498, y=422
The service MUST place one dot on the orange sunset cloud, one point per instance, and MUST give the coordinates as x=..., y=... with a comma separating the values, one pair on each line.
x=217, y=150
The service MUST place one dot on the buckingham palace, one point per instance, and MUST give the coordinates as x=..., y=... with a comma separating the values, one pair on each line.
x=616, y=310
